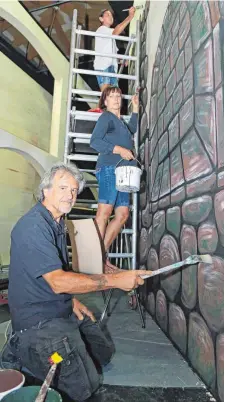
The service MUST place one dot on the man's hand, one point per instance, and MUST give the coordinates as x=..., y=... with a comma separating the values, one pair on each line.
x=80, y=310
x=129, y=280
x=132, y=12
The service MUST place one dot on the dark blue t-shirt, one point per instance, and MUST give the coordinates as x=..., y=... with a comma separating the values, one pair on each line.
x=110, y=131
x=38, y=246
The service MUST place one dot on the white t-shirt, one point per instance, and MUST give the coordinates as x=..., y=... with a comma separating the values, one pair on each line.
x=105, y=45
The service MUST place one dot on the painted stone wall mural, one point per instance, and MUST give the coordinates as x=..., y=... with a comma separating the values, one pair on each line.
x=182, y=193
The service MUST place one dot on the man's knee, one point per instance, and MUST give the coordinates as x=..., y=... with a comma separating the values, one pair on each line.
x=8, y=358
x=108, y=354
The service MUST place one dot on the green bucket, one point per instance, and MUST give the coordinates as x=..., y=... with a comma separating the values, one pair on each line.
x=28, y=394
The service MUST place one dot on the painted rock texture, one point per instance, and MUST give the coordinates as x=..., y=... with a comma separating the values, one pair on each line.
x=189, y=273
x=211, y=292
x=220, y=365
x=182, y=194
x=201, y=349
x=161, y=310
x=178, y=327
x=169, y=254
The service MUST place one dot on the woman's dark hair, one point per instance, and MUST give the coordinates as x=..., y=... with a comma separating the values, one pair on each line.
x=103, y=12
x=107, y=91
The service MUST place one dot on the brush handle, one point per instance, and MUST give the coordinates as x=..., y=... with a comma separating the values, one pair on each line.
x=137, y=8
x=46, y=384
x=165, y=269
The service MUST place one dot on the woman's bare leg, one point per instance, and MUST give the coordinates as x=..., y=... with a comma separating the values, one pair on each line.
x=115, y=225
x=102, y=216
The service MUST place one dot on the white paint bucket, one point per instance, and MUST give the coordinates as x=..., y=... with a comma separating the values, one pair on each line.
x=128, y=178
x=10, y=380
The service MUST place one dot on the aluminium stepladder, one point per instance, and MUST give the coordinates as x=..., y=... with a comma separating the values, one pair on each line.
x=76, y=136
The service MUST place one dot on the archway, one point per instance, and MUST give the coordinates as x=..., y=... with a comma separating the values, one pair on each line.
x=39, y=159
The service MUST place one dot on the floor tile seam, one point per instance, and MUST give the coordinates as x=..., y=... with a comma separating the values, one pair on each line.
x=144, y=341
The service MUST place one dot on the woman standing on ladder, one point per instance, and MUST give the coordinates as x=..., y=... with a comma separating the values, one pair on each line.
x=112, y=138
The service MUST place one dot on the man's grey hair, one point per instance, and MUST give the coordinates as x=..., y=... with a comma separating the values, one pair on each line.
x=47, y=179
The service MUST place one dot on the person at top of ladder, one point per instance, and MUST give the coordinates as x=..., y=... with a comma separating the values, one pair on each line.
x=108, y=46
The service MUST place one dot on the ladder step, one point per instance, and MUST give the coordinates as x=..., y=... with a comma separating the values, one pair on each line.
x=87, y=170
x=92, y=184
x=88, y=100
x=85, y=204
x=84, y=201
x=96, y=34
x=91, y=116
x=111, y=255
x=127, y=231
x=101, y=73
x=90, y=204
x=114, y=55
x=81, y=141
x=124, y=231
x=86, y=158
x=120, y=255
x=94, y=93
x=79, y=135
x=78, y=216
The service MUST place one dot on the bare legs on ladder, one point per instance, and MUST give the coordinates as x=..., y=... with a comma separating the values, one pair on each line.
x=108, y=233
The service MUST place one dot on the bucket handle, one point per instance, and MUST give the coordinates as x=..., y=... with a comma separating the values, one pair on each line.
x=128, y=161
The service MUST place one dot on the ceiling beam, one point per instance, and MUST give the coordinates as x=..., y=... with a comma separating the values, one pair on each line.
x=57, y=3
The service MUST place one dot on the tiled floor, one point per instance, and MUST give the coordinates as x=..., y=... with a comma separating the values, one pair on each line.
x=146, y=366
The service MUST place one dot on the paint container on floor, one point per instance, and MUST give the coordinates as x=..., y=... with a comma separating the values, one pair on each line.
x=29, y=394
x=10, y=380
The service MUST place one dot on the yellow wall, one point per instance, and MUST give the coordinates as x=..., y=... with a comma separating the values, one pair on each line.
x=25, y=107
x=26, y=112
x=30, y=113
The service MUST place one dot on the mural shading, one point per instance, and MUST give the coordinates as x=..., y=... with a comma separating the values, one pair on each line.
x=182, y=196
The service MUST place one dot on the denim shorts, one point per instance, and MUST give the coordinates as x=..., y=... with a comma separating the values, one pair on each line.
x=107, y=193
x=107, y=80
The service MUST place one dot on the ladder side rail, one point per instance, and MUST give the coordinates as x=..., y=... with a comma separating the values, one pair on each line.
x=121, y=250
x=69, y=98
x=99, y=35
x=126, y=57
x=76, y=57
x=127, y=249
x=117, y=250
x=136, y=144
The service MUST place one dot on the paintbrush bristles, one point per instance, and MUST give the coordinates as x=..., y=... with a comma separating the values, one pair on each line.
x=196, y=259
x=206, y=258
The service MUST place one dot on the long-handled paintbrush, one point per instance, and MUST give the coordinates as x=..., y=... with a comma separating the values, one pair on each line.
x=55, y=359
x=192, y=259
x=137, y=8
